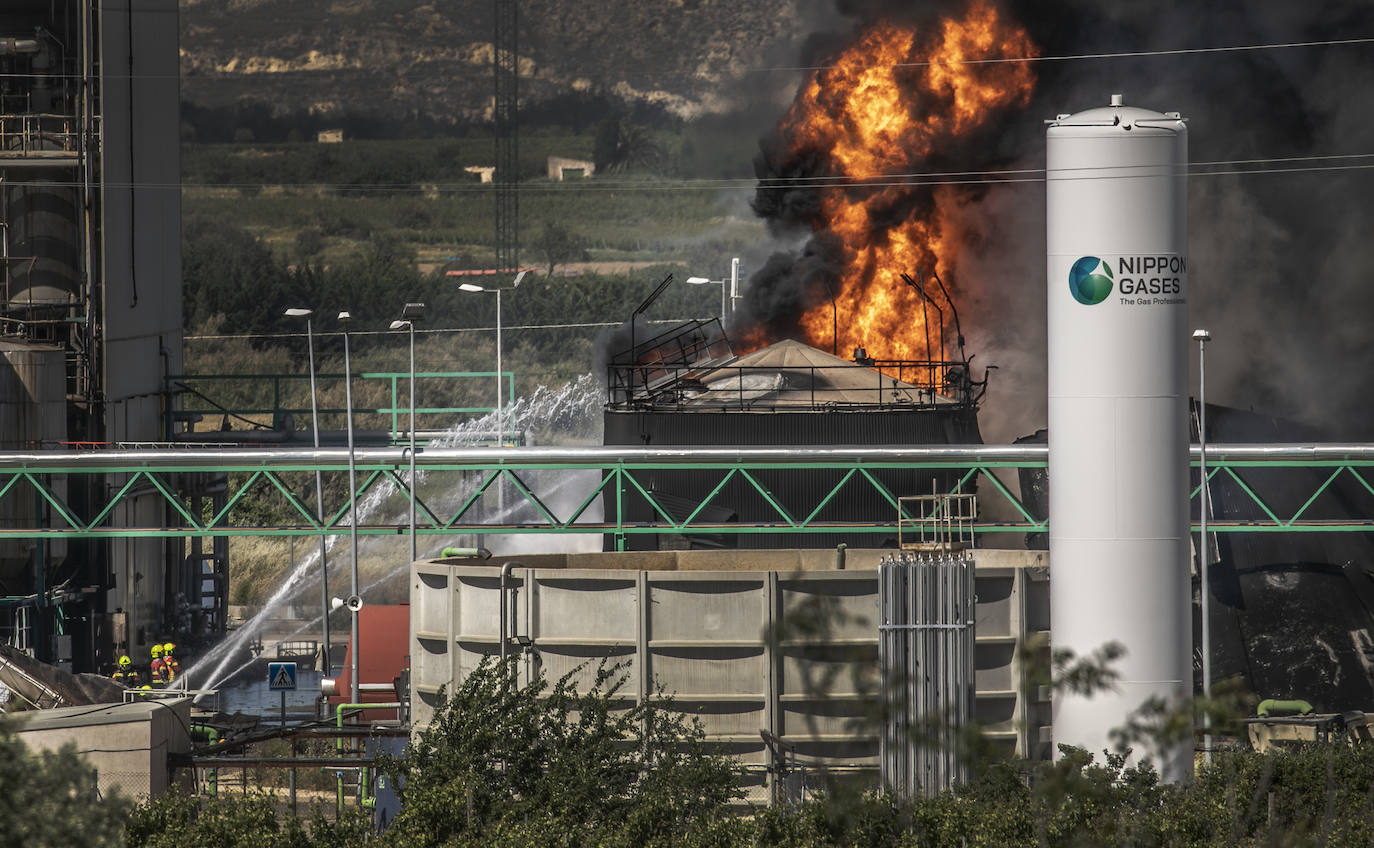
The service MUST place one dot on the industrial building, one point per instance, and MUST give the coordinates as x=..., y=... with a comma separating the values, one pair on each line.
x=90, y=315
x=761, y=605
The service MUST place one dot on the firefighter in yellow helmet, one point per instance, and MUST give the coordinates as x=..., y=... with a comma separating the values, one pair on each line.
x=170, y=667
x=159, y=674
x=125, y=673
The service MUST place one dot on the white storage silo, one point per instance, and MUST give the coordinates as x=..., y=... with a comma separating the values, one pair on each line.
x=1117, y=244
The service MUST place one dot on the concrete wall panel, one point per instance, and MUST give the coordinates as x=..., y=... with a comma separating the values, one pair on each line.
x=792, y=652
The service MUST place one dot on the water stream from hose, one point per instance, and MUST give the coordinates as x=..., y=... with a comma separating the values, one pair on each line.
x=569, y=414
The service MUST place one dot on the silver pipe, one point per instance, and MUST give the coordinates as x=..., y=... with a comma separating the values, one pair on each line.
x=269, y=457
x=16, y=46
x=504, y=623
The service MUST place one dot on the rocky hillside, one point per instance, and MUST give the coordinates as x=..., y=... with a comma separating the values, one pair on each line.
x=408, y=59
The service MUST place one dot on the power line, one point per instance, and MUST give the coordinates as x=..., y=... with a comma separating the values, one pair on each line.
x=1206, y=168
x=1074, y=57
x=216, y=76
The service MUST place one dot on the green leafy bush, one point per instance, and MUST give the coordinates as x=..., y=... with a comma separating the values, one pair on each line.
x=545, y=764
x=180, y=821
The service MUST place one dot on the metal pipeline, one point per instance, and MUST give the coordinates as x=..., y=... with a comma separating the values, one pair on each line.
x=505, y=607
x=16, y=46
x=186, y=457
x=362, y=776
x=1275, y=706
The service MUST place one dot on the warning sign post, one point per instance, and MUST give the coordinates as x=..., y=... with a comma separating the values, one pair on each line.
x=281, y=677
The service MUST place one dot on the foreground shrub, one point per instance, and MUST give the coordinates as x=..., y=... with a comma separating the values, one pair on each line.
x=544, y=764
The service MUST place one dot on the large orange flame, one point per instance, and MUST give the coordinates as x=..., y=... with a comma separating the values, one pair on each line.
x=888, y=101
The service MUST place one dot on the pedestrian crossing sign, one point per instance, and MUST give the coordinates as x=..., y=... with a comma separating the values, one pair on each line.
x=281, y=676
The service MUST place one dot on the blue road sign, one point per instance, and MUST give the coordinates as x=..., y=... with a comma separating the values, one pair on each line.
x=281, y=676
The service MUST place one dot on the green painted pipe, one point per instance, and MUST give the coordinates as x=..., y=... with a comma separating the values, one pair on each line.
x=1273, y=706
x=204, y=732
x=478, y=553
x=338, y=744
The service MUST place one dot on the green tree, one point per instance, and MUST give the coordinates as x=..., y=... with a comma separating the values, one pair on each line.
x=622, y=146
x=50, y=799
x=556, y=245
x=230, y=272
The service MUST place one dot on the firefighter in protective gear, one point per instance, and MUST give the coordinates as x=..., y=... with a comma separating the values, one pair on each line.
x=170, y=667
x=125, y=673
x=159, y=675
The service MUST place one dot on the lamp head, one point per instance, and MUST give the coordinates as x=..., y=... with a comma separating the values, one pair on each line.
x=1202, y=335
x=297, y=312
x=397, y=325
x=470, y=287
x=518, y=278
x=696, y=281
x=344, y=317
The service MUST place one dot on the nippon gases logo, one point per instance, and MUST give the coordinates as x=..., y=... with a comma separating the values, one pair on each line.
x=1090, y=280
x=1142, y=280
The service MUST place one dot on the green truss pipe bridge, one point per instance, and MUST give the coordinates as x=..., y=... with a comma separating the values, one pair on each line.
x=1273, y=488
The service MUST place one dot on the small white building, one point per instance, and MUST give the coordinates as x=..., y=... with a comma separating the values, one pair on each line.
x=485, y=173
x=560, y=167
x=127, y=744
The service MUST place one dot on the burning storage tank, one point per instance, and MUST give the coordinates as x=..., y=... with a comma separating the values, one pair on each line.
x=686, y=393
x=1117, y=245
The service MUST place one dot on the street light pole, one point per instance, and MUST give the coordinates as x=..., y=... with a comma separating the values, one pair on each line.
x=344, y=318
x=724, y=293
x=1203, y=336
x=734, y=283
x=500, y=406
x=319, y=483
x=410, y=314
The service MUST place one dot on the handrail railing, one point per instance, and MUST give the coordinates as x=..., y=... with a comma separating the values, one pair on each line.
x=198, y=397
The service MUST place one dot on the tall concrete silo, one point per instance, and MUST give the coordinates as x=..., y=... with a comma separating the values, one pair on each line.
x=1117, y=246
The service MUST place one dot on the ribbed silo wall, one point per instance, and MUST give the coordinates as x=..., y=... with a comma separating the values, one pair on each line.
x=745, y=641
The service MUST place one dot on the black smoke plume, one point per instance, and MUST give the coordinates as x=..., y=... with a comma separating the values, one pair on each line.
x=1280, y=253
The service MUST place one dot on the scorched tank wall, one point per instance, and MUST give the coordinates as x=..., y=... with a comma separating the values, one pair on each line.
x=739, y=502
